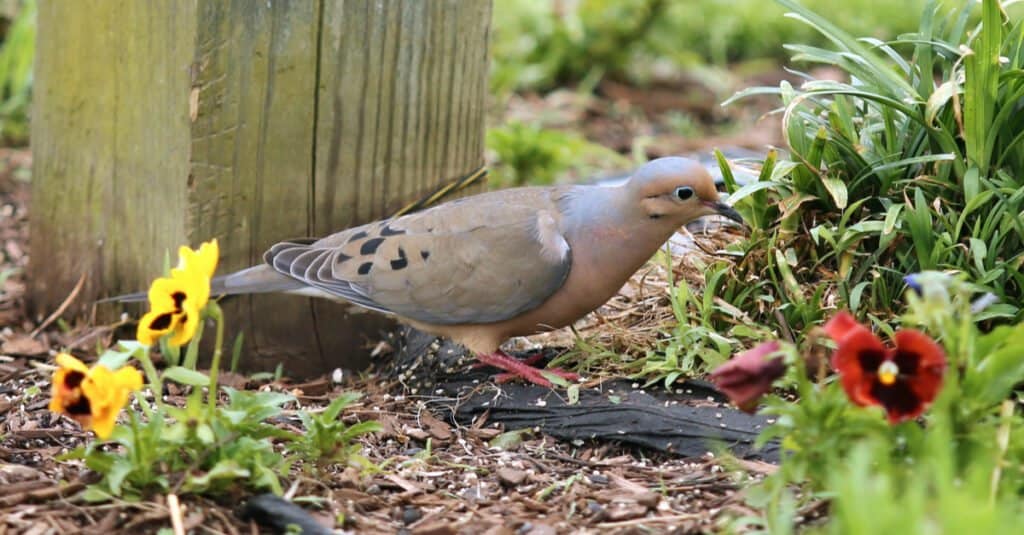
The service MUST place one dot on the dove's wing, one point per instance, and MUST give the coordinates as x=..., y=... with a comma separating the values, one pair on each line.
x=482, y=261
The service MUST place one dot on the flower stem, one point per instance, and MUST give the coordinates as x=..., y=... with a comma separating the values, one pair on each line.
x=214, y=311
x=192, y=352
x=156, y=384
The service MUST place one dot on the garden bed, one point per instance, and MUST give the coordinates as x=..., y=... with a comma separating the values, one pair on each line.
x=447, y=462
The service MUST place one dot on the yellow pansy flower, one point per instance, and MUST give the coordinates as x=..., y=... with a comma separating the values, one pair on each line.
x=197, y=268
x=175, y=302
x=171, y=311
x=92, y=397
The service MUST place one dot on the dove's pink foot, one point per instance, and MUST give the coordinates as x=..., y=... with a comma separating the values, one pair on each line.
x=522, y=369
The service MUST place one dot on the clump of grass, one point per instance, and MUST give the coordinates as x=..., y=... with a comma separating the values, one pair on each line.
x=916, y=163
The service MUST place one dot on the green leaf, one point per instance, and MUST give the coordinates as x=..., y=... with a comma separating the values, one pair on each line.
x=226, y=469
x=510, y=439
x=981, y=86
x=340, y=403
x=995, y=376
x=837, y=189
x=727, y=176
x=116, y=357
x=972, y=183
x=116, y=474
x=938, y=100
x=855, y=295
x=94, y=494
x=185, y=376
x=749, y=190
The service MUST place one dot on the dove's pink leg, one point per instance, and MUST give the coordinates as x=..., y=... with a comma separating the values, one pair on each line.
x=516, y=368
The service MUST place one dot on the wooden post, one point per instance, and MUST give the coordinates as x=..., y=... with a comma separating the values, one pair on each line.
x=168, y=122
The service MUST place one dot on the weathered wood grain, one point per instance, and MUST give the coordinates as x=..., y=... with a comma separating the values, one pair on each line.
x=160, y=123
x=254, y=92
x=401, y=103
x=110, y=139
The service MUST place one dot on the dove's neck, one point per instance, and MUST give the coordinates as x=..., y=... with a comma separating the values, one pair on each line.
x=608, y=223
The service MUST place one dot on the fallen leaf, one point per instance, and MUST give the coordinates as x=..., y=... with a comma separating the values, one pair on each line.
x=23, y=344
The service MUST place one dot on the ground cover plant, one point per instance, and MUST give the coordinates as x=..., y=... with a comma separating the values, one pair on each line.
x=913, y=164
x=203, y=446
x=959, y=471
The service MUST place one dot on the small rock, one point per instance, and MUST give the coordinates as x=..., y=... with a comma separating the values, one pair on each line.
x=411, y=514
x=511, y=477
x=598, y=479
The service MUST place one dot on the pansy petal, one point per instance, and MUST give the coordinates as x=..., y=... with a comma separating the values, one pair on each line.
x=929, y=365
x=108, y=393
x=899, y=400
x=166, y=293
x=66, y=382
x=200, y=263
x=857, y=359
x=841, y=325
x=103, y=421
x=153, y=325
x=185, y=325
x=194, y=285
x=128, y=378
x=69, y=362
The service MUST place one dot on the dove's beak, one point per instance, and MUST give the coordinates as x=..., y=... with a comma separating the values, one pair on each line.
x=727, y=211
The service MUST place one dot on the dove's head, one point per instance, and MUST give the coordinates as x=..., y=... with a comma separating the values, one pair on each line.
x=678, y=190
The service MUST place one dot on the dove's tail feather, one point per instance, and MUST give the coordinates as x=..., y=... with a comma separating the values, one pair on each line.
x=254, y=280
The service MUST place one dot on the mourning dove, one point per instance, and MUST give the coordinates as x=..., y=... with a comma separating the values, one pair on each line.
x=485, y=268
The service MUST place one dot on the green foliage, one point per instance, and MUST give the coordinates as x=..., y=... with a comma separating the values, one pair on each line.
x=956, y=473
x=328, y=439
x=16, y=55
x=707, y=329
x=537, y=46
x=724, y=31
x=541, y=45
x=209, y=448
x=528, y=154
x=196, y=452
x=914, y=164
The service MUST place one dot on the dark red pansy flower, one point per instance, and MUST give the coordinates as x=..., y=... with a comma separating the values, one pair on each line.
x=749, y=375
x=903, y=379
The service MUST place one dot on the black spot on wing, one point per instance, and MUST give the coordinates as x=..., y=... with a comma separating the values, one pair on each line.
x=365, y=268
x=357, y=236
x=388, y=231
x=424, y=255
x=401, y=262
x=370, y=246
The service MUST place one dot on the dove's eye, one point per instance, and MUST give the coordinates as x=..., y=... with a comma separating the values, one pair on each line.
x=684, y=192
